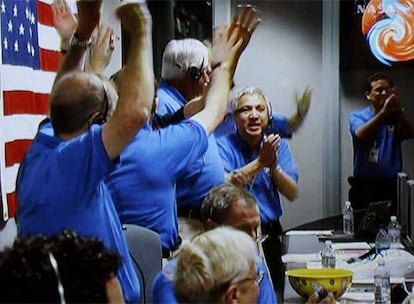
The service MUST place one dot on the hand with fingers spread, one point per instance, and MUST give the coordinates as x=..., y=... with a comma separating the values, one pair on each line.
x=247, y=21
x=64, y=20
x=101, y=49
x=230, y=41
x=268, y=151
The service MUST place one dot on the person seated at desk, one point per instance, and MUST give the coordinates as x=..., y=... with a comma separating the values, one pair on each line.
x=377, y=133
x=218, y=266
x=65, y=268
x=224, y=205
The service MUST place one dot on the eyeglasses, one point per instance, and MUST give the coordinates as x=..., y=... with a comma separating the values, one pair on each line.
x=258, y=279
x=260, y=238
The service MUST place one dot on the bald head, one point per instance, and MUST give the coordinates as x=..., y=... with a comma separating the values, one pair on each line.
x=76, y=98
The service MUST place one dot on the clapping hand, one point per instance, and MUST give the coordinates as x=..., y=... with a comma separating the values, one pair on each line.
x=269, y=150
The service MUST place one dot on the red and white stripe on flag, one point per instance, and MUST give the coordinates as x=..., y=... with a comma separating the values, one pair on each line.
x=30, y=55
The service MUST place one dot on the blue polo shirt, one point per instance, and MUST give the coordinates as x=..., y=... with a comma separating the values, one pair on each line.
x=60, y=186
x=204, y=174
x=143, y=185
x=236, y=153
x=388, y=142
x=163, y=286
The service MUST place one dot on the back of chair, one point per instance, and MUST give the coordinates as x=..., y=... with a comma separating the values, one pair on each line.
x=145, y=250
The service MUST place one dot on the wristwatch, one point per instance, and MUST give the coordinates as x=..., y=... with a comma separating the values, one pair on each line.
x=74, y=41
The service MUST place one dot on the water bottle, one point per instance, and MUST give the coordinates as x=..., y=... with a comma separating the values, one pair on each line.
x=348, y=218
x=382, y=283
x=382, y=239
x=328, y=255
x=394, y=231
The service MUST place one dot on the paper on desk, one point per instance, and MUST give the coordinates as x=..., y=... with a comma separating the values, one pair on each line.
x=300, y=257
x=309, y=232
x=399, y=262
x=359, y=296
x=350, y=245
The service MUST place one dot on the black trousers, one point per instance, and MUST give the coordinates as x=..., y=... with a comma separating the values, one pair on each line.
x=272, y=249
x=367, y=190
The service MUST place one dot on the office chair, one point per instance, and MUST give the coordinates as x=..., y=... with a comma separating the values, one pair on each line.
x=145, y=250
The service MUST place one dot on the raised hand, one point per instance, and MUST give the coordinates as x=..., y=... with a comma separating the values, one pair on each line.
x=303, y=102
x=64, y=21
x=101, y=49
x=247, y=20
x=135, y=17
x=88, y=17
x=229, y=42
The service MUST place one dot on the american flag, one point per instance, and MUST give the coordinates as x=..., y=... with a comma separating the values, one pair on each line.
x=30, y=54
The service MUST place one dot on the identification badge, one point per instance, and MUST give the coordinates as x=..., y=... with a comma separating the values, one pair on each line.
x=373, y=155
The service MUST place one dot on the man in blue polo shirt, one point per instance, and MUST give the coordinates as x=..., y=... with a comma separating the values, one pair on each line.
x=185, y=75
x=264, y=165
x=224, y=205
x=60, y=182
x=144, y=184
x=377, y=132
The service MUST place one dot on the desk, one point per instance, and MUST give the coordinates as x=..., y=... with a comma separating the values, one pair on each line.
x=307, y=244
x=298, y=244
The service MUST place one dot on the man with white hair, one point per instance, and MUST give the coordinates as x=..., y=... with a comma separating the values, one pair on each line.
x=185, y=74
x=218, y=266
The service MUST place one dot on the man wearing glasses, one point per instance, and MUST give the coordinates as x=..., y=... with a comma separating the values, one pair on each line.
x=224, y=205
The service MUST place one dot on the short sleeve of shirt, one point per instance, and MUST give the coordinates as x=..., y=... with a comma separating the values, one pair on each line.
x=188, y=140
x=286, y=161
x=163, y=287
x=280, y=124
x=229, y=152
x=357, y=119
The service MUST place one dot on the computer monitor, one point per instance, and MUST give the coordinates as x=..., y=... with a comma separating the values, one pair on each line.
x=410, y=202
x=402, y=202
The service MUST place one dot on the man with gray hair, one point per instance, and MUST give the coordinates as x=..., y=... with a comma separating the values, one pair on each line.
x=262, y=164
